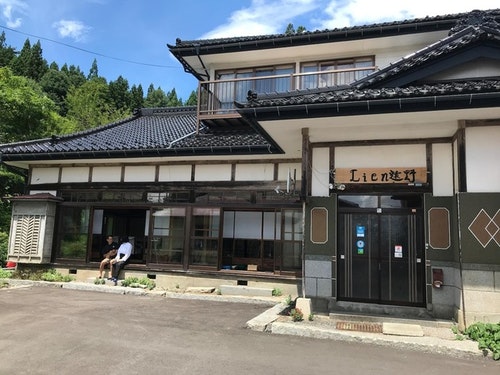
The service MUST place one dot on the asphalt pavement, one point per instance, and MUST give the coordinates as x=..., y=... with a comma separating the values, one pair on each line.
x=428, y=336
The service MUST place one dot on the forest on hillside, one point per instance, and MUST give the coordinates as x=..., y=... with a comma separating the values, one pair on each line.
x=38, y=100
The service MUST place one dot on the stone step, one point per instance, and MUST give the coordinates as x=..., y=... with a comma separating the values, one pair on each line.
x=243, y=290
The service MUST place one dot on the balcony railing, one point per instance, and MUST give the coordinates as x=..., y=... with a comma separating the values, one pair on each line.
x=216, y=98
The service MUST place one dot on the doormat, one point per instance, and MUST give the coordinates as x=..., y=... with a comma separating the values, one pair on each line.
x=359, y=326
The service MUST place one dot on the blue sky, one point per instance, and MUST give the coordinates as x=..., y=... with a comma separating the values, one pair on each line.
x=129, y=37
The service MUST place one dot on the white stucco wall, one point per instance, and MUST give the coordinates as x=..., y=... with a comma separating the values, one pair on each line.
x=320, y=172
x=254, y=172
x=144, y=173
x=380, y=156
x=213, y=172
x=44, y=175
x=482, y=149
x=175, y=173
x=106, y=174
x=442, y=170
x=75, y=174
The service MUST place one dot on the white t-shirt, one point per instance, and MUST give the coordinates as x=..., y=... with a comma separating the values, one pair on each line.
x=125, y=250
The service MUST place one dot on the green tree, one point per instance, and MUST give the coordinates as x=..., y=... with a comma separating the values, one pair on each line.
x=27, y=113
x=155, y=97
x=172, y=99
x=136, y=97
x=193, y=98
x=56, y=84
x=11, y=184
x=30, y=62
x=19, y=65
x=38, y=65
x=75, y=75
x=119, y=94
x=291, y=30
x=94, y=71
x=89, y=105
x=7, y=53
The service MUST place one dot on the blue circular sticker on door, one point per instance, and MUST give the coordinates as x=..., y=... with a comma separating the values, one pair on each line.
x=360, y=244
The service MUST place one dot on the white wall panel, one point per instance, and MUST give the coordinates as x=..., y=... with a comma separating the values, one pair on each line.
x=482, y=148
x=442, y=170
x=320, y=172
x=380, y=156
x=213, y=172
x=175, y=173
x=106, y=174
x=75, y=174
x=142, y=173
x=254, y=172
x=44, y=175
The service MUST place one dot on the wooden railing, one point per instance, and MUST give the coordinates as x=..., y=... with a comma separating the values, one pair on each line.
x=216, y=98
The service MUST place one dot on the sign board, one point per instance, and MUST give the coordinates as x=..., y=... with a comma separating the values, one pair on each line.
x=393, y=175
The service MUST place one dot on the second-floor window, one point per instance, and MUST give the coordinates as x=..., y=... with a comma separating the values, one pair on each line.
x=236, y=83
x=335, y=72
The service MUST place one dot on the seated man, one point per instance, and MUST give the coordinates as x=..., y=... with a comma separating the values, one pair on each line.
x=121, y=259
x=108, y=252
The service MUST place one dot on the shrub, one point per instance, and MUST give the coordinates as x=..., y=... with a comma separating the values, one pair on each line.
x=4, y=274
x=4, y=244
x=487, y=335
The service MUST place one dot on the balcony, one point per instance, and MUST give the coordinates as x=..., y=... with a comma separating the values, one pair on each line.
x=216, y=98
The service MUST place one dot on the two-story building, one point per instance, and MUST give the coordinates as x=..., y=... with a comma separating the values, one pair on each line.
x=357, y=167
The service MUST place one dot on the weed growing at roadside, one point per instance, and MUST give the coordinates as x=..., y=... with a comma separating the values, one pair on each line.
x=487, y=335
x=4, y=274
x=276, y=292
x=54, y=276
x=297, y=315
x=99, y=281
x=135, y=282
x=288, y=300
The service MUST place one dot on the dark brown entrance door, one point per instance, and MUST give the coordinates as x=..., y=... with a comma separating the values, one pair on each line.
x=380, y=250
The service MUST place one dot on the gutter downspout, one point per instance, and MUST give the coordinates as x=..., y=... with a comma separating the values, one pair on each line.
x=181, y=138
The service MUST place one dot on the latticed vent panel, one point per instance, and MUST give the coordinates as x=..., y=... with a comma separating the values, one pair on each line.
x=27, y=232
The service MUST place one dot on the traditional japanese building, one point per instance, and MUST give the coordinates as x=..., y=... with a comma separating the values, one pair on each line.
x=322, y=163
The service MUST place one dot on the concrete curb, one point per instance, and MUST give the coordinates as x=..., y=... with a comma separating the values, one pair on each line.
x=428, y=344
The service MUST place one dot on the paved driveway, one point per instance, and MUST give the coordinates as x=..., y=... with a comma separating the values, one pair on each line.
x=49, y=330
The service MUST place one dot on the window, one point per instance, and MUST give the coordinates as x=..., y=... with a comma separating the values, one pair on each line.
x=292, y=240
x=168, y=235
x=73, y=234
x=335, y=72
x=256, y=237
x=237, y=83
x=205, y=237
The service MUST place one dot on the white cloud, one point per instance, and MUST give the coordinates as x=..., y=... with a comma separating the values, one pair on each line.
x=262, y=17
x=75, y=30
x=339, y=13
x=9, y=8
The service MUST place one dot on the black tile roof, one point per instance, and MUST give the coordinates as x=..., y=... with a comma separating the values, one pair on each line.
x=477, y=28
x=219, y=45
x=401, y=80
x=150, y=132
